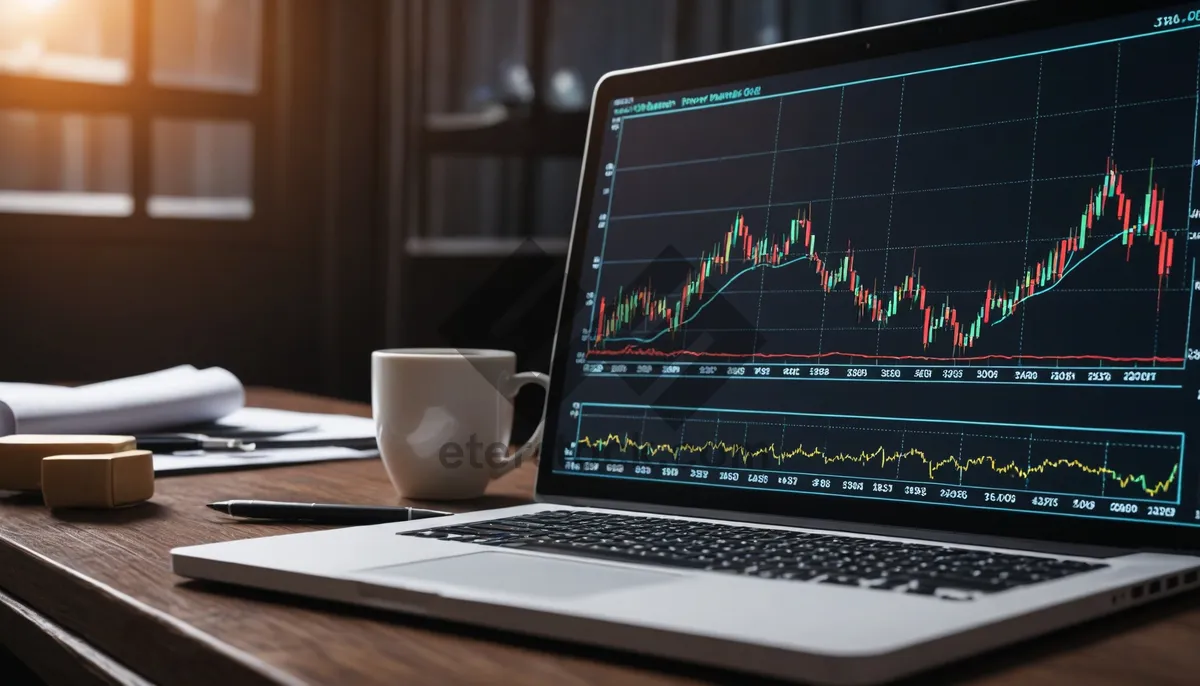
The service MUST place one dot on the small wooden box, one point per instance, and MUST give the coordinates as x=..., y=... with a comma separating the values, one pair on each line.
x=98, y=481
x=21, y=455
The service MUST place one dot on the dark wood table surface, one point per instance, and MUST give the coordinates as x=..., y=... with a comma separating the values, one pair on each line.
x=88, y=597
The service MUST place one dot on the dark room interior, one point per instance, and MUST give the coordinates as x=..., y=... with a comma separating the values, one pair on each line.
x=288, y=267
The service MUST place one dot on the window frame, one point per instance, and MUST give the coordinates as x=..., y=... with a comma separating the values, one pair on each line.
x=141, y=101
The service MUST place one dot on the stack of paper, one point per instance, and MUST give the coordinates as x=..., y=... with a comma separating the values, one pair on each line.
x=208, y=401
x=281, y=428
x=282, y=437
x=149, y=402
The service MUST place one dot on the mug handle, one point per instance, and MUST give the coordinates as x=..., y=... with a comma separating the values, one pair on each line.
x=515, y=383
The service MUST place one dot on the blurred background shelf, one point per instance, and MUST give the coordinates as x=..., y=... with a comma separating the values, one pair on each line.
x=502, y=132
x=486, y=246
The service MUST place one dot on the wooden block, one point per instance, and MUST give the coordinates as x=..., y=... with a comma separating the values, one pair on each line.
x=21, y=455
x=100, y=481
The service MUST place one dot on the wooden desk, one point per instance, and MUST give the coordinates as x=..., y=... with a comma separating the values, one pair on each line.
x=89, y=598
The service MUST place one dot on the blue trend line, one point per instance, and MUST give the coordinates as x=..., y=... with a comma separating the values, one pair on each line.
x=1071, y=268
x=1083, y=259
x=717, y=292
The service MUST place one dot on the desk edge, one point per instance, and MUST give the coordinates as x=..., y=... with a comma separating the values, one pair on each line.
x=53, y=588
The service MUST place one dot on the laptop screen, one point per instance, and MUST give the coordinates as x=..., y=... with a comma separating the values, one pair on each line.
x=958, y=278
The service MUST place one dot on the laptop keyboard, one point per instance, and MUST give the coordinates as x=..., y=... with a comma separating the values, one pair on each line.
x=922, y=569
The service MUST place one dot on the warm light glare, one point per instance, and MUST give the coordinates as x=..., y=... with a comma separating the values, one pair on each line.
x=38, y=5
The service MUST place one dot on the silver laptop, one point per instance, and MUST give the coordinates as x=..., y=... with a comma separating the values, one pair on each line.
x=874, y=353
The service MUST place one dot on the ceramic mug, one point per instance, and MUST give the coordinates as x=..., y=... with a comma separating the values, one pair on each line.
x=444, y=416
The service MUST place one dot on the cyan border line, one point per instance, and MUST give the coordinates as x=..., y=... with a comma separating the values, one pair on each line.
x=880, y=479
x=1179, y=434
x=905, y=74
x=1144, y=432
x=1179, y=475
x=1187, y=336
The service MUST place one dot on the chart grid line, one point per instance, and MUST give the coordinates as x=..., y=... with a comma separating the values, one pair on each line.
x=963, y=65
x=874, y=139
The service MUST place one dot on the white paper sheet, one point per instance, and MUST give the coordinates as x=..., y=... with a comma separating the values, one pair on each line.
x=149, y=402
x=294, y=429
x=250, y=422
x=181, y=464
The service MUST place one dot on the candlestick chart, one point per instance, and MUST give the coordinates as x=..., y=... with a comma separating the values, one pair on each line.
x=886, y=224
x=1109, y=221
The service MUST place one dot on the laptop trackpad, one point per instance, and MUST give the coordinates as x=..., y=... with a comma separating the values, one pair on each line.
x=523, y=574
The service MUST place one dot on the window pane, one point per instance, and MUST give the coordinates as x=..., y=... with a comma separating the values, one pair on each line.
x=202, y=169
x=207, y=44
x=591, y=37
x=74, y=40
x=60, y=163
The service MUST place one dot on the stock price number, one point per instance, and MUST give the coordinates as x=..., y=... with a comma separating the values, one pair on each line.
x=577, y=466
x=1169, y=20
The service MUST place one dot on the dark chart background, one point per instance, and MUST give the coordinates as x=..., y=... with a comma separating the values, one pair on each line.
x=951, y=331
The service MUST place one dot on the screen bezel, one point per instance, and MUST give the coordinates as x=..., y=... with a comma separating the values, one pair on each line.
x=939, y=31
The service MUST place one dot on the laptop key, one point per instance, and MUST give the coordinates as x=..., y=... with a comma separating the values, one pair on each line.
x=842, y=580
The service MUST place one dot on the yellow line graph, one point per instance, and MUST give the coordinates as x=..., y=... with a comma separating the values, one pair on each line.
x=881, y=456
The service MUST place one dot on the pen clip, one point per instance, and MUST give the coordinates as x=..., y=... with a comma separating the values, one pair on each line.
x=228, y=444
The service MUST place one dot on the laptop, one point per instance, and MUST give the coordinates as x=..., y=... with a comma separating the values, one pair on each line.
x=874, y=353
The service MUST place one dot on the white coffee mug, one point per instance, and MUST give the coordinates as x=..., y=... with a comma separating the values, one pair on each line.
x=443, y=418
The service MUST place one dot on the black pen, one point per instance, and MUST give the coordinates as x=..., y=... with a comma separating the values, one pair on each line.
x=169, y=443
x=318, y=513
